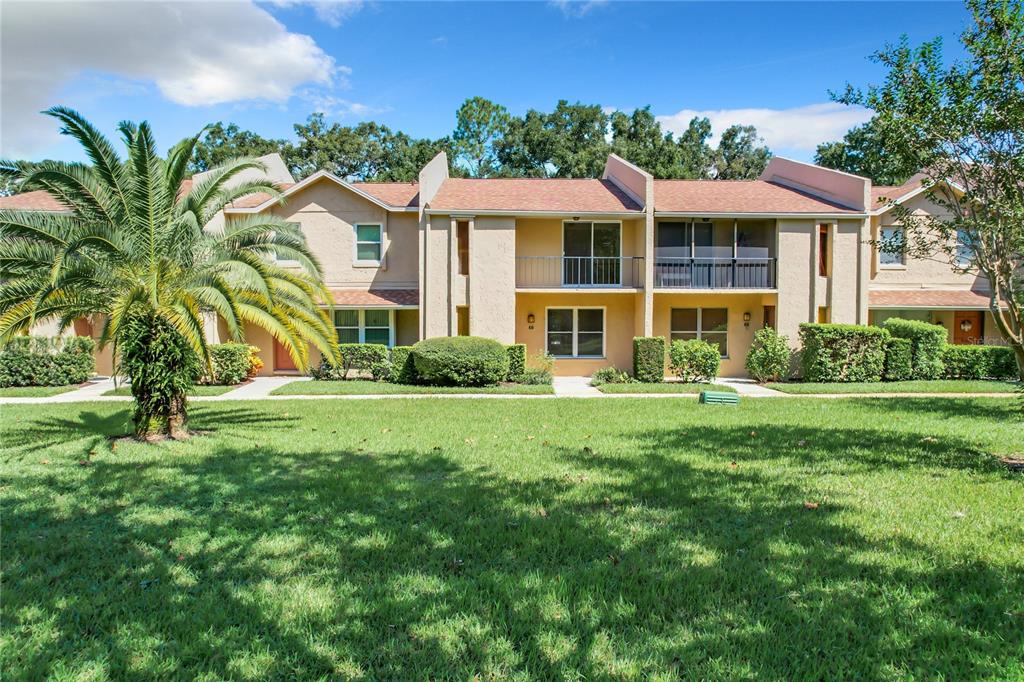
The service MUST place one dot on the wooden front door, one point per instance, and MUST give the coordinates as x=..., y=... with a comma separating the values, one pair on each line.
x=967, y=327
x=282, y=360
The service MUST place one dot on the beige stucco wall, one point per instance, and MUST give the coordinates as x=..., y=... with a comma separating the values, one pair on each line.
x=407, y=327
x=797, y=274
x=328, y=213
x=740, y=336
x=492, y=278
x=619, y=329
x=846, y=303
x=436, y=308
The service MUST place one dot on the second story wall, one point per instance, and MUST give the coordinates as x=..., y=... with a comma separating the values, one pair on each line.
x=328, y=214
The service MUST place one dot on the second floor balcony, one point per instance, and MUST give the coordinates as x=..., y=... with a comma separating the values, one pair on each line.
x=579, y=272
x=714, y=273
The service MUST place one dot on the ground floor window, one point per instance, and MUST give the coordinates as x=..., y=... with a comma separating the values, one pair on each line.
x=706, y=324
x=365, y=326
x=575, y=332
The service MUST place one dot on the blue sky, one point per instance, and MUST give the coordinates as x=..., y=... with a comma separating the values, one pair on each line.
x=410, y=65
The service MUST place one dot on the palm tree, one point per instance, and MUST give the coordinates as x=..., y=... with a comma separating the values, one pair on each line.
x=132, y=249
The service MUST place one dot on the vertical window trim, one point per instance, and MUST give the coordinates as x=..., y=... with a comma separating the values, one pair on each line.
x=462, y=246
x=902, y=255
x=576, y=329
x=361, y=322
x=379, y=243
x=699, y=331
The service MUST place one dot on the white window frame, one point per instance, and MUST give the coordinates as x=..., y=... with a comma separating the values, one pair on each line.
x=576, y=329
x=362, y=324
x=699, y=331
x=287, y=262
x=356, y=242
x=902, y=263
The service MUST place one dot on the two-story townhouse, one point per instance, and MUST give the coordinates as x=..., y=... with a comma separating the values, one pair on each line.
x=578, y=267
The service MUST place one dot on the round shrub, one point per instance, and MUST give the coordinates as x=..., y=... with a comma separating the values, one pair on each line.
x=232, y=363
x=694, y=361
x=768, y=359
x=460, y=361
x=649, y=358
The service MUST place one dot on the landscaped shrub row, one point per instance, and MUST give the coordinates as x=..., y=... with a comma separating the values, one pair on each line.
x=842, y=352
x=649, y=358
x=898, y=362
x=45, y=361
x=460, y=361
x=516, y=362
x=978, y=362
x=233, y=363
x=926, y=344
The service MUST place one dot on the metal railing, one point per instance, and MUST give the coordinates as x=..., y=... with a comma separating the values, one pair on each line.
x=573, y=272
x=714, y=273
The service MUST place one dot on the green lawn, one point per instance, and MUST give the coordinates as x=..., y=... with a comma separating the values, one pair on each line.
x=364, y=387
x=491, y=539
x=35, y=391
x=940, y=386
x=201, y=390
x=667, y=387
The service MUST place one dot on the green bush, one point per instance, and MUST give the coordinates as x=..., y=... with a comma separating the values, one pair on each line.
x=540, y=370
x=898, y=364
x=649, y=359
x=926, y=344
x=842, y=352
x=516, y=361
x=768, y=358
x=460, y=361
x=694, y=361
x=354, y=356
x=232, y=363
x=979, y=362
x=45, y=361
x=610, y=375
x=403, y=369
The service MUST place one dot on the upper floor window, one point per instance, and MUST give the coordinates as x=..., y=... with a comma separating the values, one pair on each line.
x=823, y=250
x=462, y=239
x=706, y=324
x=368, y=242
x=891, y=249
x=365, y=326
x=964, y=249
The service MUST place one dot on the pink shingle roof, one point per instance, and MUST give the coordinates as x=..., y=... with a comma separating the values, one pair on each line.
x=402, y=194
x=39, y=200
x=928, y=298
x=532, y=194
x=737, y=196
x=376, y=297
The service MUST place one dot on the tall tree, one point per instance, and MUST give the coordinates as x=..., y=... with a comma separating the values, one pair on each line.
x=740, y=154
x=527, y=148
x=863, y=151
x=696, y=157
x=224, y=143
x=579, y=146
x=132, y=249
x=479, y=123
x=639, y=138
x=966, y=122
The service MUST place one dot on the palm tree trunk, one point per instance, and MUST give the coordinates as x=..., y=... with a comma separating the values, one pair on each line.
x=177, y=417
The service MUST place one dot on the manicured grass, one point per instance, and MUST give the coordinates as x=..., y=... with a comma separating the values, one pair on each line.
x=666, y=387
x=362, y=387
x=495, y=539
x=940, y=386
x=202, y=390
x=35, y=391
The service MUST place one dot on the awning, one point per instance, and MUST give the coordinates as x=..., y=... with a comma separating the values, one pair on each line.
x=376, y=298
x=959, y=299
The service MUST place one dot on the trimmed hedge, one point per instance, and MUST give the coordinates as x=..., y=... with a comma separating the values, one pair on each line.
x=842, y=352
x=926, y=344
x=46, y=361
x=979, y=362
x=516, y=361
x=403, y=369
x=694, y=361
x=898, y=364
x=769, y=355
x=460, y=361
x=649, y=359
x=368, y=357
x=232, y=363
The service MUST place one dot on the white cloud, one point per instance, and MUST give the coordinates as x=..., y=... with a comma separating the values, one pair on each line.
x=194, y=53
x=330, y=105
x=331, y=12
x=574, y=9
x=799, y=128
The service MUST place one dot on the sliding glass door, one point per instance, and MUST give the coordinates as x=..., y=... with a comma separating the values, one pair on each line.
x=591, y=254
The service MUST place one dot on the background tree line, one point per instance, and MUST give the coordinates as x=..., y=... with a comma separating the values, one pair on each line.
x=573, y=140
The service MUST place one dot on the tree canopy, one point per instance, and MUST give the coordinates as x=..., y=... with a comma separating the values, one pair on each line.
x=863, y=151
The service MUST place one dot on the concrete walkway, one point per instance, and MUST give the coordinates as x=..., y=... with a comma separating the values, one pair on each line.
x=749, y=388
x=575, y=387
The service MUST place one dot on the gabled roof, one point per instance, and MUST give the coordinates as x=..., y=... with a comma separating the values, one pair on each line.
x=402, y=194
x=738, y=196
x=533, y=195
x=259, y=202
x=41, y=200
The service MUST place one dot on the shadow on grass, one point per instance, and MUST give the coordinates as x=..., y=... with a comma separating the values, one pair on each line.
x=272, y=562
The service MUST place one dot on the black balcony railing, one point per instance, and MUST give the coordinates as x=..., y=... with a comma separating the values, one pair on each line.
x=573, y=272
x=714, y=273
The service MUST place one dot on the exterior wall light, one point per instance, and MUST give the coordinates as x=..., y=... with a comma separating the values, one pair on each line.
x=531, y=318
x=746, y=319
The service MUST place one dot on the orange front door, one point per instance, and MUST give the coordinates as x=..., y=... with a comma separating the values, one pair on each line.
x=967, y=327
x=282, y=361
